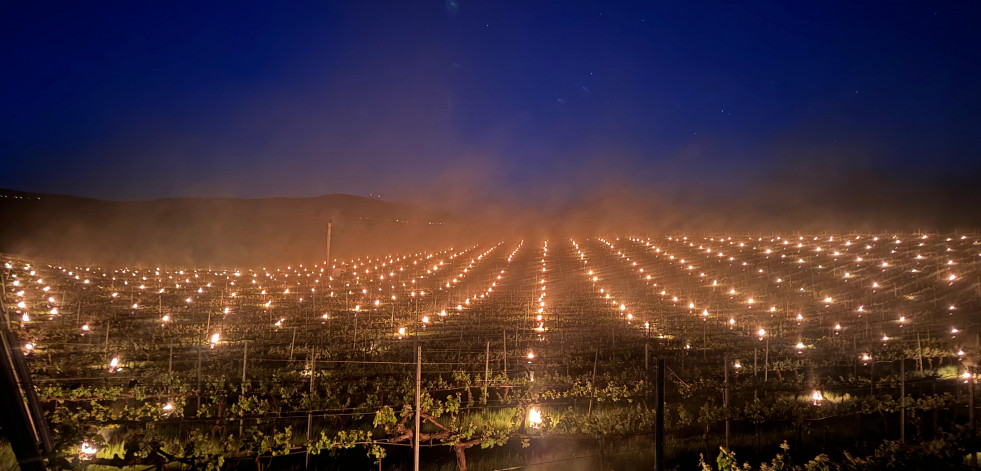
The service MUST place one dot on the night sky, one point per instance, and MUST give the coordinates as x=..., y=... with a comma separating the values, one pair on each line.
x=421, y=100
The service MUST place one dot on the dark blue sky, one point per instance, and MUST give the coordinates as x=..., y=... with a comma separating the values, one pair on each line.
x=424, y=99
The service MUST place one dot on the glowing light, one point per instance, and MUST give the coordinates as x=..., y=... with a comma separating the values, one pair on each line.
x=87, y=451
x=817, y=397
x=534, y=417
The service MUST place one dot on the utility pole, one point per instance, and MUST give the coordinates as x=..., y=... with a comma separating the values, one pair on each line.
x=415, y=434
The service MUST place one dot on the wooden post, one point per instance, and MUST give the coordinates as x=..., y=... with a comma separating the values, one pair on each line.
x=245, y=357
x=330, y=226
x=919, y=352
x=902, y=400
x=483, y=399
x=766, y=361
x=207, y=327
x=646, y=362
x=970, y=400
x=198, y=390
x=505, y=352
x=725, y=394
x=592, y=393
x=872, y=374
x=415, y=433
x=313, y=375
x=659, y=419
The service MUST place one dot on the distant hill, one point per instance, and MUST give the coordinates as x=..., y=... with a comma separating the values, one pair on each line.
x=213, y=231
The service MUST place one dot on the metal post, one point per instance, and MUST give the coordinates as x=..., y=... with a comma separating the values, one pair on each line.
x=14, y=416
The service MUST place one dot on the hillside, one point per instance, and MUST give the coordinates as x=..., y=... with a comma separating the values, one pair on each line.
x=206, y=231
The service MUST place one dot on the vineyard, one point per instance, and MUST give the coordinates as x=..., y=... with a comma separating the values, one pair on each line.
x=527, y=354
